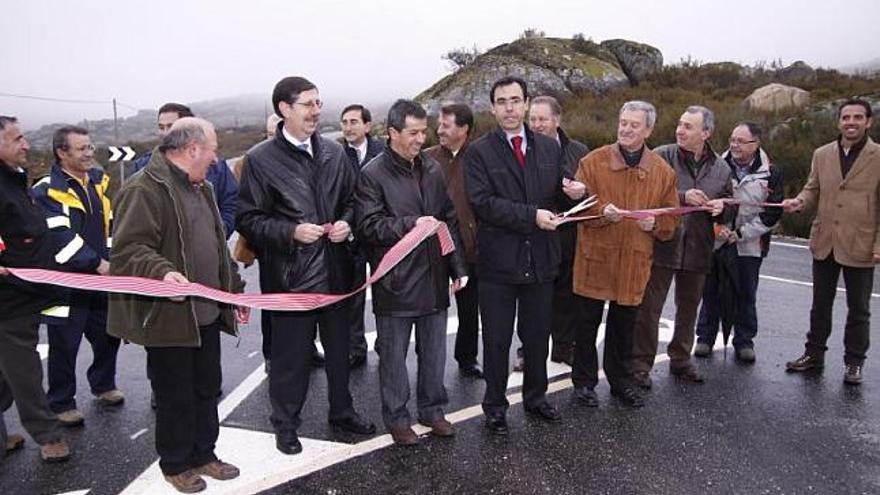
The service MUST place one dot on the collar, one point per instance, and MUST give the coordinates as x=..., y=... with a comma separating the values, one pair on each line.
x=618, y=163
x=521, y=133
x=180, y=175
x=361, y=150
x=296, y=142
x=70, y=177
x=402, y=162
x=856, y=147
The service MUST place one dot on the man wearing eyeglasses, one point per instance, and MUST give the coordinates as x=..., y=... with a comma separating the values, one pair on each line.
x=702, y=177
x=296, y=208
x=514, y=181
x=844, y=184
x=755, y=180
x=73, y=197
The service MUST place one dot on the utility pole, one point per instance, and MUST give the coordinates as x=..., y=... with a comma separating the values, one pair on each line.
x=116, y=141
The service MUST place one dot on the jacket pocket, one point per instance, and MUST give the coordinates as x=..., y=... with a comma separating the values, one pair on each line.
x=863, y=244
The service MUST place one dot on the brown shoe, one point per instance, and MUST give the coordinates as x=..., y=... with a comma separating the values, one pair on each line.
x=642, y=379
x=440, y=428
x=186, y=482
x=404, y=435
x=687, y=373
x=113, y=397
x=71, y=418
x=805, y=363
x=14, y=442
x=218, y=470
x=55, y=451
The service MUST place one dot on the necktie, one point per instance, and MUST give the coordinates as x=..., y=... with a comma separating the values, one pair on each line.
x=517, y=150
x=304, y=147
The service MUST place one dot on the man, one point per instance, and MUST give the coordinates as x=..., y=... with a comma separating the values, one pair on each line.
x=755, y=180
x=614, y=254
x=357, y=121
x=243, y=252
x=844, y=182
x=25, y=242
x=513, y=179
x=456, y=123
x=545, y=117
x=291, y=187
x=702, y=177
x=403, y=187
x=73, y=197
x=167, y=228
x=219, y=174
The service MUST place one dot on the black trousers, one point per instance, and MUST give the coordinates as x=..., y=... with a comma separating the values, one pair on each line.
x=858, y=282
x=358, y=303
x=186, y=381
x=292, y=340
x=21, y=380
x=619, y=329
x=468, y=304
x=531, y=305
x=565, y=320
x=88, y=316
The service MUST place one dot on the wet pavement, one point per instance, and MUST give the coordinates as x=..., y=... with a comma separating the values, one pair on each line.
x=747, y=429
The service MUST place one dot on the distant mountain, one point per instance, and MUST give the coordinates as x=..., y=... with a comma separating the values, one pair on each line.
x=869, y=67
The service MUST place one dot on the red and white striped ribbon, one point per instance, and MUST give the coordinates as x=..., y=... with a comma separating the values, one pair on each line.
x=276, y=302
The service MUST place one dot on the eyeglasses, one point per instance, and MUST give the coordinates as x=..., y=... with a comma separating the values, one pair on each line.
x=740, y=142
x=82, y=149
x=504, y=102
x=311, y=104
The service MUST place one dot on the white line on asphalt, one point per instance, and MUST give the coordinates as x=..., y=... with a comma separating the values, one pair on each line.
x=252, y=354
x=43, y=350
x=138, y=434
x=802, y=283
x=77, y=492
x=790, y=245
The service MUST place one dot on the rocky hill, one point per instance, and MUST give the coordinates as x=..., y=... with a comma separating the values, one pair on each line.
x=554, y=66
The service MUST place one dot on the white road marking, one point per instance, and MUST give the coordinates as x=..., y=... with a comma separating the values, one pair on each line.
x=43, y=350
x=138, y=434
x=77, y=492
x=252, y=354
x=789, y=245
x=802, y=283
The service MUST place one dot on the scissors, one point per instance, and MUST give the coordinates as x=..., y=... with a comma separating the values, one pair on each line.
x=583, y=205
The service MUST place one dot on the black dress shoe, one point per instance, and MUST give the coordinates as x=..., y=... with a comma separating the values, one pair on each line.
x=317, y=358
x=629, y=396
x=357, y=360
x=497, y=424
x=288, y=443
x=586, y=396
x=470, y=371
x=354, y=424
x=546, y=412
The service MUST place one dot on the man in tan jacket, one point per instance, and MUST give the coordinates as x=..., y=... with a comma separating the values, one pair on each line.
x=613, y=256
x=845, y=184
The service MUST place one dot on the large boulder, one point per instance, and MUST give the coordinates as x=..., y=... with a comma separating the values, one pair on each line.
x=774, y=97
x=553, y=66
x=637, y=60
x=797, y=73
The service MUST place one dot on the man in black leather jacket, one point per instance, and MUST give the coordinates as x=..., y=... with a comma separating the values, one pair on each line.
x=397, y=190
x=295, y=207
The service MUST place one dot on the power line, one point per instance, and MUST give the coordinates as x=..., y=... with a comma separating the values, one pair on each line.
x=68, y=100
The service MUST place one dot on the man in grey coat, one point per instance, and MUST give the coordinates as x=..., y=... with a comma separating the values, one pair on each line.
x=702, y=177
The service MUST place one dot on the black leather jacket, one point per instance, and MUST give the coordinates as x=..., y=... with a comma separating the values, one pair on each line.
x=282, y=187
x=391, y=195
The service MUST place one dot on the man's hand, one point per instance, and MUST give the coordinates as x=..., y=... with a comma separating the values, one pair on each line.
x=340, y=231
x=695, y=197
x=458, y=284
x=175, y=278
x=242, y=314
x=876, y=260
x=573, y=189
x=546, y=220
x=307, y=233
x=612, y=213
x=103, y=267
x=792, y=205
x=726, y=235
x=3, y=271
x=647, y=223
x=717, y=206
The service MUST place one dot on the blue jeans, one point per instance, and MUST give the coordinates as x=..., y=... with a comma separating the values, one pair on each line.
x=745, y=325
x=393, y=334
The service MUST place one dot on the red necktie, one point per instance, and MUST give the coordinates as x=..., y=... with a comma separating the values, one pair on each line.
x=517, y=150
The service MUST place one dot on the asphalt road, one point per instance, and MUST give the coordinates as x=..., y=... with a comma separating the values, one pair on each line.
x=748, y=429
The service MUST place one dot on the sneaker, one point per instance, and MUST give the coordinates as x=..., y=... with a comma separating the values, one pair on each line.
x=642, y=379
x=14, y=442
x=805, y=362
x=186, y=482
x=113, y=397
x=218, y=470
x=702, y=350
x=745, y=354
x=853, y=374
x=55, y=451
x=71, y=418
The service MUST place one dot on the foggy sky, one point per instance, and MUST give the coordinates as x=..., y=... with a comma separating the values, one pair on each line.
x=146, y=53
